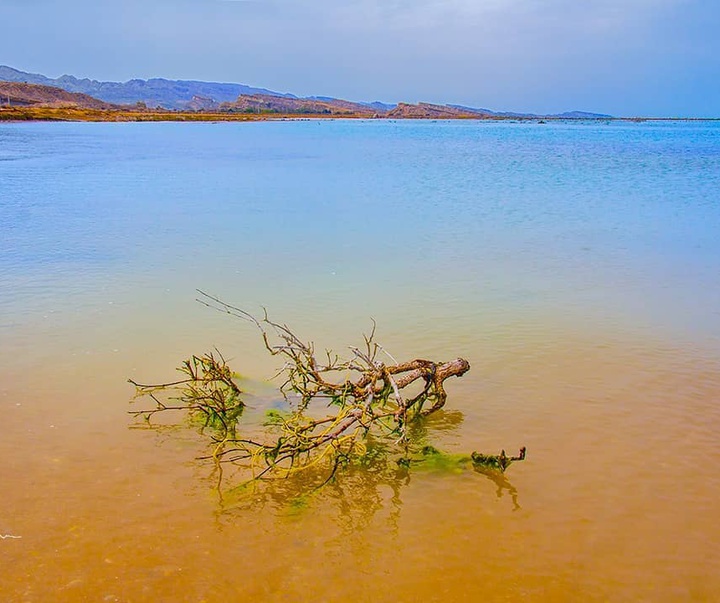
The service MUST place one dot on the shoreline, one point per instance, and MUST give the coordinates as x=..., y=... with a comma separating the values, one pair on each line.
x=73, y=114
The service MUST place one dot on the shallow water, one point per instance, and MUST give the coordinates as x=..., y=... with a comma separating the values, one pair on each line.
x=574, y=265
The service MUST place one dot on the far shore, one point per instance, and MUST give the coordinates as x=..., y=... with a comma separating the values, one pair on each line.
x=75, y=114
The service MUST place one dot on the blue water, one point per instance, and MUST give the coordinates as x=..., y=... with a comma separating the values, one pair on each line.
x=616, y=223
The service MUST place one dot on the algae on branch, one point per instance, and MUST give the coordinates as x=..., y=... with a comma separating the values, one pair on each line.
x=340, y=412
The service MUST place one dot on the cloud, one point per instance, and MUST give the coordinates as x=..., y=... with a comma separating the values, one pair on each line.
x=517, y=54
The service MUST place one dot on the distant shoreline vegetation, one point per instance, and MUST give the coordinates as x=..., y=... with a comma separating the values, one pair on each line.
x=79, y=114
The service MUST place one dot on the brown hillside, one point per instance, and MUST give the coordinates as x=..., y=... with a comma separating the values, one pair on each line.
x=263, y=103
x=16, y=94
x=427, y=111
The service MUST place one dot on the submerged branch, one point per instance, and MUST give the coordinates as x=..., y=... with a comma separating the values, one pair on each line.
x=328, y=423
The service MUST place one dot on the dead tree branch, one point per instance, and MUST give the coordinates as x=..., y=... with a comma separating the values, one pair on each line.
x=337, y=408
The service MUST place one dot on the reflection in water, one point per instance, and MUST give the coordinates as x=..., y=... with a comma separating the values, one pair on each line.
x=365, y=487
x=442, y=421
x=502, y=483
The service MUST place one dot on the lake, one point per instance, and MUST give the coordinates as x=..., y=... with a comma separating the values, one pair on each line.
x=576, y=266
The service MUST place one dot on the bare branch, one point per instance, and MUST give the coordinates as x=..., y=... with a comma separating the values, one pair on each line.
x=366, y=402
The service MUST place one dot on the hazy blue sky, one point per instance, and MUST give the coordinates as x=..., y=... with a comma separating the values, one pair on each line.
x=625, y=57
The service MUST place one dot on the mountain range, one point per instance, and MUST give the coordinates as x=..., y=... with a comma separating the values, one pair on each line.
x=156, y=92
x=190, y=95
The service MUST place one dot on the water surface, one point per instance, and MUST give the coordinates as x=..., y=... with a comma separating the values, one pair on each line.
x=574, y=265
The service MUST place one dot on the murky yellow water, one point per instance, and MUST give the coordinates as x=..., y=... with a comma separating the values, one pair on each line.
x=618, y=499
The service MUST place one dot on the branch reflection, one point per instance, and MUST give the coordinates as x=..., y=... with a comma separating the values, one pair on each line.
x=365, y=488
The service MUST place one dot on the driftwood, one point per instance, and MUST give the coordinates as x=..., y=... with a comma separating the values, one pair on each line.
x=337, y=408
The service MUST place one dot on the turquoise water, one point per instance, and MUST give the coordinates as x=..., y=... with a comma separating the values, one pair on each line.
x=575, y=265
x=616, y=221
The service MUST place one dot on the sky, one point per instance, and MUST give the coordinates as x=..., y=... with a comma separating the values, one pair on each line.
x=623, y=57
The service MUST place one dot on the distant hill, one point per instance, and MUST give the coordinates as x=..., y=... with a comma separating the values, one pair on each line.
x=581, y=115
x=433, y=111
x=428, y=111
x=378, y=106
x=17, y=94
x=465, y=109
x=264, y=103
x=157, y=92
x=190, y=95
x=566, y=115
